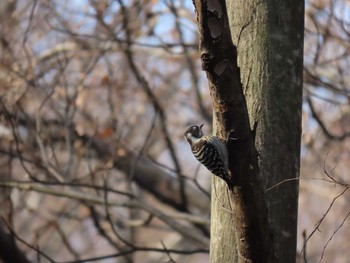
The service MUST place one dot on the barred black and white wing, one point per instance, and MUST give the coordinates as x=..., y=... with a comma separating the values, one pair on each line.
x=212, y=153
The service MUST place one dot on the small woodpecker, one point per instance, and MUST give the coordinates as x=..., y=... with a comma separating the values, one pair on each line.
x=210, y=151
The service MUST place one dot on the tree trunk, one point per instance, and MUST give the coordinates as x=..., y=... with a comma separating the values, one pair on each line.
x=269, y=38
x=9, y=251
x=251, y=224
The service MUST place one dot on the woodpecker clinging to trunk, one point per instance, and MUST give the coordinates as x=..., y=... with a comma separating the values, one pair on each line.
x=210, y=151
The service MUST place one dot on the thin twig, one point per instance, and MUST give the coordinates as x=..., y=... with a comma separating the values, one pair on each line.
x=319, y=222
x=38, y=251
x=335, y=231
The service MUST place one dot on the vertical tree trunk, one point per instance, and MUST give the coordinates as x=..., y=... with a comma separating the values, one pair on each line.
x=7, y=29
x=264, y=93
x=9, y=252
x=240, y=229
x=269, y=38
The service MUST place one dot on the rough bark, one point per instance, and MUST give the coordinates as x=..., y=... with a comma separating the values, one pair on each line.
x=269, y=39
x=261, y=93
x=239, y=230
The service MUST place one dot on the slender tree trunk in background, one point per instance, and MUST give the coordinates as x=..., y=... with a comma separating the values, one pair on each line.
x=9, y=251
x=263, y=91
x=7, y=27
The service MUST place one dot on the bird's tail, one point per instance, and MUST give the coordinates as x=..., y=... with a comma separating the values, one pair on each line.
x=226, y=176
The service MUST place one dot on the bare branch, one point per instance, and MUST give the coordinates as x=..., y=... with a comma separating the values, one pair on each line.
x=325, y=130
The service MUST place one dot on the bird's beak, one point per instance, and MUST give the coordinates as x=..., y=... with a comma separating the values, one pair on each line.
x=200, y=127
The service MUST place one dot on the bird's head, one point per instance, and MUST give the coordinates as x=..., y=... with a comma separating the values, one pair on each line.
x=193, y=133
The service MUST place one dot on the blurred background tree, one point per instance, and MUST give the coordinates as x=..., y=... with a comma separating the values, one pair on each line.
x=95, y=96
